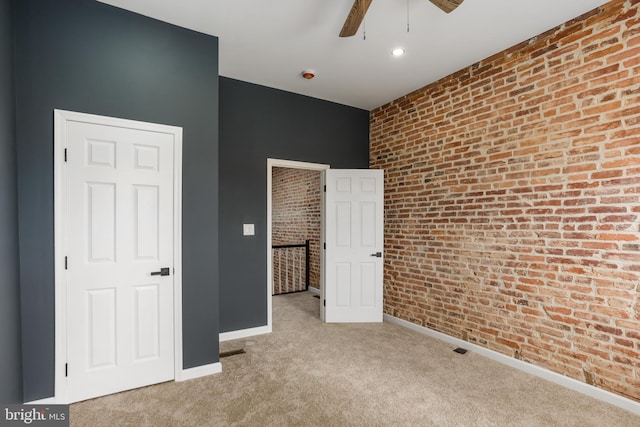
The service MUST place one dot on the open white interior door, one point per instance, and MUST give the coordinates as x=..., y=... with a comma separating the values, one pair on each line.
x=354, y=236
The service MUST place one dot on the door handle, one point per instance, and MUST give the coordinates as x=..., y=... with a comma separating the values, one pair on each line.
x=163, y=272
x=377, y=255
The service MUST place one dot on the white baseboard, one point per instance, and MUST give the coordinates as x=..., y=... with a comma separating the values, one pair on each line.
x=199, y=371
x=314, y=290
x=580, y=387
x=184, y=375
x=46, y=401
x=245, y=333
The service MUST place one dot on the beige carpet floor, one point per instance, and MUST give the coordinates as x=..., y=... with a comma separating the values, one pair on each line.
x=307, y=373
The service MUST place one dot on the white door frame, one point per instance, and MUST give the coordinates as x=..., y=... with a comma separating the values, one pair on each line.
x=60, y=230
x=271, y=163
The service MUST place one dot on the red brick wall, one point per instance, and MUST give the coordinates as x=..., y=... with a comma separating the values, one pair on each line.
x=513, y=200
x=296, y=215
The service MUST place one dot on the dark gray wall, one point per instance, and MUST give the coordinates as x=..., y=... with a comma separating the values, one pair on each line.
x=85, y=56
x=10, y=364
x=257, y=123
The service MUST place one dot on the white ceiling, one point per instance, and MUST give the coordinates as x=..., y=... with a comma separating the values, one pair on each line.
x=270, y=42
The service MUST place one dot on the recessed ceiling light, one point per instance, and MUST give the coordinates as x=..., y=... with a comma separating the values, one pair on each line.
x=397, y=51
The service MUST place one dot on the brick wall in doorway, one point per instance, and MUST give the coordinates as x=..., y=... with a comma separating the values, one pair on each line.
x=296, y=214
x=513, y=200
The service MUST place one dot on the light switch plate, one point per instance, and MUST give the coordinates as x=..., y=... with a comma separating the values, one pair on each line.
x=248, y=230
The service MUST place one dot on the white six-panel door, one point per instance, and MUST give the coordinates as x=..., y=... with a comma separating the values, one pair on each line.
x=119, y=230
x=354, y=224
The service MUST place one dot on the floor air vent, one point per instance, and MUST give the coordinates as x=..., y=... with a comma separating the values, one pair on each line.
x=460, y=350
x=232, y=353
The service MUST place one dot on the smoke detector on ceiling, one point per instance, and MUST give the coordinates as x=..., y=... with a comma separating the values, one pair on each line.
x=308, y=74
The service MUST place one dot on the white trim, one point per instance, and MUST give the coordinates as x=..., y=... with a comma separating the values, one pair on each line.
x=314, y=290
x=570, y=383
x=61, y=117
x=60, y=243
x=323, y=253
x=177, y=255
x=198, y=371
x=244, y=333
x=271, y=163
x=47, y=401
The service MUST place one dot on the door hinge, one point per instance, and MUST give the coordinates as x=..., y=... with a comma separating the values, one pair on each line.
x=325, y=245
x=65, y=263
x=325, y=187
x=324, y=302
x=65, y=154
x=66, y=369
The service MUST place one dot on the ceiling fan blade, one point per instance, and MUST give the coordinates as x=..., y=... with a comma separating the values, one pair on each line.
x=447, y=5
x=356, y=15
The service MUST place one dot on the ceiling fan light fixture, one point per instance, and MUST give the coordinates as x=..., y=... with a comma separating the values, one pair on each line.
x=398, y=51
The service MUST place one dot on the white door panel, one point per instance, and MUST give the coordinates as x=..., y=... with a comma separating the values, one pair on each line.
x=354, y=208
x=119, y=230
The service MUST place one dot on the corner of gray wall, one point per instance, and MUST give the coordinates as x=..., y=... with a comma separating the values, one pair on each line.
x=256, y=123
x=10, y=355
x=90, y=57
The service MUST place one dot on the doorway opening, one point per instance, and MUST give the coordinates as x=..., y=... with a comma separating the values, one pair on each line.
x=293, y=217
x=295, y=229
